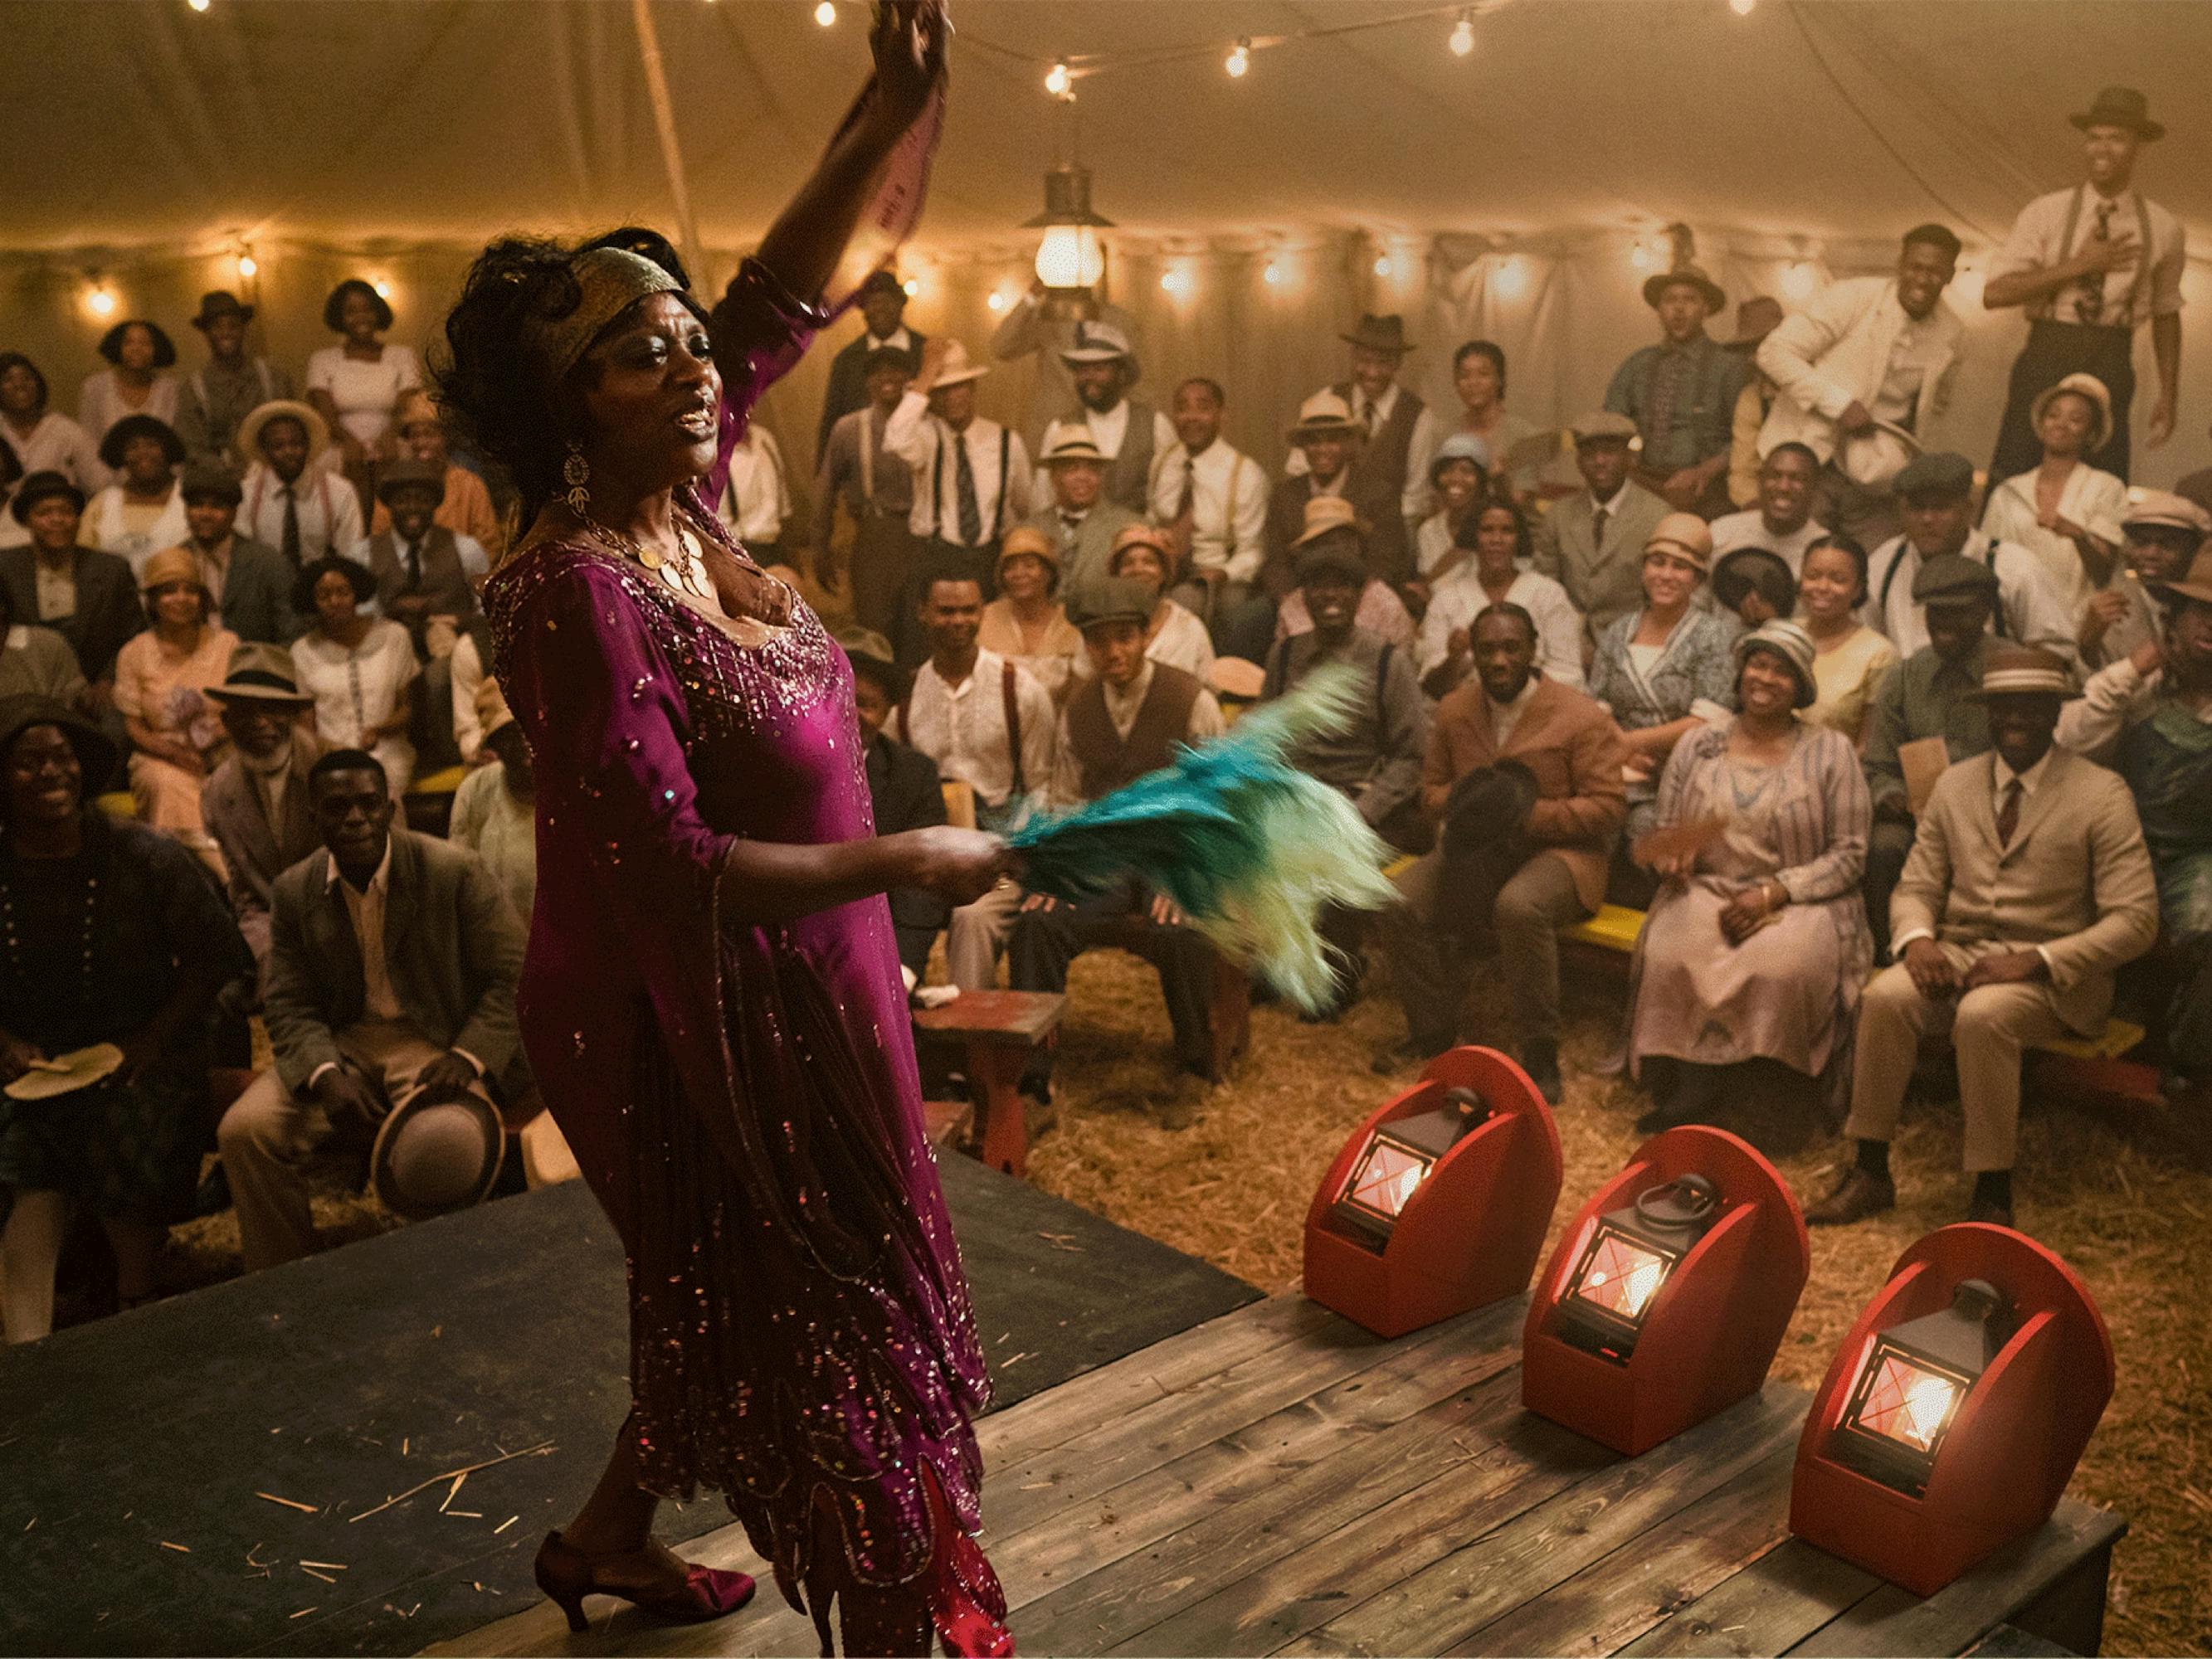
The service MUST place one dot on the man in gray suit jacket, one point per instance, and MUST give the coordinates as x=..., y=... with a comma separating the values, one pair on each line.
x=1592, y=543
x=255, y=803
x=1080, y=519
x=252, y=581
x=393, y=968
x=2028, y=887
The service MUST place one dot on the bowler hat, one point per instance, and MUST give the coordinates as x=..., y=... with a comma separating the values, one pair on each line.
x=202, y=478
x=260, y=673
x=2121, y=106
x=141, y=426
x=1386, y=333
x=882, y=280
x=39, y=486
x=1715, y=298
x=392, y=477
x=1487, y=805
x=435, y=1152
x=96, y=757
x=221, y=302
x=1939, y=473
x=1116, y=599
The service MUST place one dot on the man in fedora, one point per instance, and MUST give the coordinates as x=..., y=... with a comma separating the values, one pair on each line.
x=215, y=398
x=426, y=574
x=883, y=328
x=1681, y=394
x=87, y=597
x=1936, y=493
x=1026, y=330
x=392, y=967
x=861, y=475
x=971, y=475
x=1755, y=319
x=2029, y=888
x=290, y=503
x=1394, y=428
x=1327, y=441
x=1077, y=514
x=255, y=803
x=2148, y=715
x=248, y=583
x=1871, y=356
x=2090, y=265
x=1133, y=437
x=1592, y=542
x=1517, y=865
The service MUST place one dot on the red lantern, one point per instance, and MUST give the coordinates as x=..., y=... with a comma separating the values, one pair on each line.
x=1956, y=1410
x=1668, y=1293
x=1439, y=1203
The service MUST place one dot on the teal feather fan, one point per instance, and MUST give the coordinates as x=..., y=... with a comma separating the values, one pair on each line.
x=1249, y=848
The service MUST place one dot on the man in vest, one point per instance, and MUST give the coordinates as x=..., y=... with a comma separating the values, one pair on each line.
x=874, y=486
x=212, y=402
x=1133, y=437
x=2091, y=265
x=883, y=313
x=1681, y=394
x=1395, y=426
x=1936, y=492
x=1122, y=722
x=426, y=575
x=1082, y=520
x=249, y=584
x=971, y=475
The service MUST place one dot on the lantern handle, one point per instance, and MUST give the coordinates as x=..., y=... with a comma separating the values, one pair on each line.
x=1692, y=1198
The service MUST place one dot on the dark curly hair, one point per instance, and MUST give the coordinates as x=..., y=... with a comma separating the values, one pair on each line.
x=334, y=307
x=490, y=388
x=1469, y=536
x=310, y=575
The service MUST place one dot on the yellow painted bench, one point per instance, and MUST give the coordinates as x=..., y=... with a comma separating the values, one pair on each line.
x=1615, y=927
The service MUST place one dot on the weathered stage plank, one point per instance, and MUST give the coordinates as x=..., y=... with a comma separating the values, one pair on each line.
x=1277, y=1482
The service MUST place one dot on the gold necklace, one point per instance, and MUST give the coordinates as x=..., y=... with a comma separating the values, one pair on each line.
x=685, y=568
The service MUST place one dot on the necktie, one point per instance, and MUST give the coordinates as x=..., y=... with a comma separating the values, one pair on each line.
x=971, y=510
x=2009, y=814
x=1598, y=518
x=290, y=545
x=2089, y=295
x=1189, y=504
x=414, y=565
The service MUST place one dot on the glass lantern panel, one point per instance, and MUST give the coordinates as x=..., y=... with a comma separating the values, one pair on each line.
x=1385, y=1179
x=1071, y=256
x=1907, y=1403
x=1620, y=1276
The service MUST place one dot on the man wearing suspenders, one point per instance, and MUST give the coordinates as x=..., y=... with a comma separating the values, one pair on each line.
x=1212, y=501
x=2090, y=265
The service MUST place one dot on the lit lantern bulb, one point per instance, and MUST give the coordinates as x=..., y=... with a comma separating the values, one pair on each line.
x=1176, y=281
x=197, y=5
x=998, y=300
x=101, y=302
x=912, y=285
x=1382, y=265
x=826, y=13
x=382, y=289
x=1640, y=257
x=1239, y=60
x=1741, y=8
x=1272, y=274
x=1057, y=81
x=1462, y=36
x=247, y=264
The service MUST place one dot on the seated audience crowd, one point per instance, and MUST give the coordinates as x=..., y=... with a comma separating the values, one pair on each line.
x=1882, y=749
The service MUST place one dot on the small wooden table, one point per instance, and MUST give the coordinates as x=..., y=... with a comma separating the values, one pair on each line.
x=998, y=1030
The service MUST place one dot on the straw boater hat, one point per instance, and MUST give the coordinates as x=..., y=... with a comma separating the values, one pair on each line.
x=2087, y=387
x=1787, y=640
x=1066, y=440
x=1686, y=536
x=261, y=675
x=1322, y=414
x=221, y=302
x=1385, y=333
x=2165, y=509
x=1325, y=513
x=1715, y=300
x=959, y=369
x=283, y=409
x=436, y=1152
x=1603, y=426
x=2121, y=106
x=2023, y=671
x=1099, y=342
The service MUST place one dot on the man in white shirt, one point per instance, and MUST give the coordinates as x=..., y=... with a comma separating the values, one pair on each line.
x=1783, y=522
x=1871, y=357
x=1397, y=433
x=1027, y=331
x=971, y=475
x=882, y=303
x=1937, y=492
x=757, y=500
x=1133, y=437
x=291, y=501
x=986, y=723
x=2091, y=265
x=1212, y=501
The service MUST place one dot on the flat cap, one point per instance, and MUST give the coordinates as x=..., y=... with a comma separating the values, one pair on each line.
x=1953, y=576
x=1942, y=472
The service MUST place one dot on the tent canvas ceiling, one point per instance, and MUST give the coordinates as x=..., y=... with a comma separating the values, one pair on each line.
x=140, y=122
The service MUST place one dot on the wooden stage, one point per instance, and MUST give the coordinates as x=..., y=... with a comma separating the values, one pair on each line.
x=1276, y=1480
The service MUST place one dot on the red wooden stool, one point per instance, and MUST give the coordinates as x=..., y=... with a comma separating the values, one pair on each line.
x=998, y=1030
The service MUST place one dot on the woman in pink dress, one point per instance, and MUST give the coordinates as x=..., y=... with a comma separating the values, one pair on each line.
x=712, y=1000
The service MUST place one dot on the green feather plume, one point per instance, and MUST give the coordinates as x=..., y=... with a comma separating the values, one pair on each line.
x=1249, y=848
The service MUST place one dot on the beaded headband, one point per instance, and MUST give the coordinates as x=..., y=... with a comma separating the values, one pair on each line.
x=611, y=280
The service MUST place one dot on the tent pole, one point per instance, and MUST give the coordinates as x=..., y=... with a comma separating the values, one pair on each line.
x=664, y=122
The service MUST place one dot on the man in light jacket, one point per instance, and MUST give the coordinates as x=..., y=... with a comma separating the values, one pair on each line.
x=1870, y=353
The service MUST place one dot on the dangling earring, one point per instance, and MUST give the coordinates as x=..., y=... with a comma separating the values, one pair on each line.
x=577, y=473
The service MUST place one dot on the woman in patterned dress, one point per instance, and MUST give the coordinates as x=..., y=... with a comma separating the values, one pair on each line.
x=712, y=1000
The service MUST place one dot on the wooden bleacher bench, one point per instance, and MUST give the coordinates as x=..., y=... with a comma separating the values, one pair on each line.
x=1615, y=928
x=997, y=1031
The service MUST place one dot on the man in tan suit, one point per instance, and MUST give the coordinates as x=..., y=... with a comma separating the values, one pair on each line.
x=1544, y=857
x=1592, y=542
x=2027, y=888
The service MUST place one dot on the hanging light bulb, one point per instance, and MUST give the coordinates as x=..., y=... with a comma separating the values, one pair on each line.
x=1741, y=8
x=99, y=300
x=1058, y=82
x=1071, y=258
x=1239, y=59
x=998, y=300
x=1178, y=280
x=382, y=287
x=197, y=5
x=1510, y=279
x=1462, y=36
x=247, y=264
x=1271, y=273
x=826, y=13
x=1382, y=265
x=912, y=286
x=1640, y=256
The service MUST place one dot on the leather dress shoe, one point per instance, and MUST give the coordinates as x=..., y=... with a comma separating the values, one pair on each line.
x=1856, y=1197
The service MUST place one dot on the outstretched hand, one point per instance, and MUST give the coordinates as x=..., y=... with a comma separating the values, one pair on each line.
x=908, y=42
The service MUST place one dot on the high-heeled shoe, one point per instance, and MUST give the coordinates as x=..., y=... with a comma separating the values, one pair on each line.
x=567, y=1576
x=966, y=1603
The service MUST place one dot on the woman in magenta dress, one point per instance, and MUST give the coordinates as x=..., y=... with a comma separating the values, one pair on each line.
x=712, y=998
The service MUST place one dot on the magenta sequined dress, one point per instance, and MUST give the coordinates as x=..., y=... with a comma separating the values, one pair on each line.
x=742, y=1099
